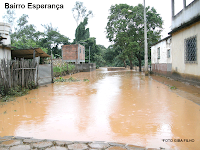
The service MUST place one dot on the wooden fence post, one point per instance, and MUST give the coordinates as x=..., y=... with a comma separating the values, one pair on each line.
x=51, y=67
x=22, y=67
x=38, y=69
x=9, y=76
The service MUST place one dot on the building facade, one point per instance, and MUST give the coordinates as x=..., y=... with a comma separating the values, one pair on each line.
x=5, y=50
x=73, y=53
x=186, y=42
x=161, y=57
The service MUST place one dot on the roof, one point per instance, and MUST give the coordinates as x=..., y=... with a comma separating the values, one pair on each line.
x=161, y=40
x=28, y=53
x=184, y=25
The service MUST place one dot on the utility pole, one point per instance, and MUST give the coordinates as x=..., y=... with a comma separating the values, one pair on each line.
x=145, y=42
x=89, y=54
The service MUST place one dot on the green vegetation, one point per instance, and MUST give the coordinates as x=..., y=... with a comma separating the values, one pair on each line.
x=125, y=29
x=71, y=79
x=6, y=95
x=173, y=88
x=86, y=80
x=61, y=79
x=63, y=70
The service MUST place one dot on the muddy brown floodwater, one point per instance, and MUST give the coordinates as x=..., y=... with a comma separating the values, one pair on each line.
x=114, y=106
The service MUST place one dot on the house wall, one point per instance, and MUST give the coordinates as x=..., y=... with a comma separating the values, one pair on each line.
x=82, y=53
x=4, y=32
x=164, y=64
x=73, y=53
x=190, y=70
x=5, y=52
x=186, y=14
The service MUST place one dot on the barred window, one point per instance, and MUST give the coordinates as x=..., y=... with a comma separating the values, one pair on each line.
x=191, y=50
x=168, y=53
x=158, y=51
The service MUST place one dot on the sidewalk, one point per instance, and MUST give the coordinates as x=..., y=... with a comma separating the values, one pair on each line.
x=22, y=143
x=183, y=89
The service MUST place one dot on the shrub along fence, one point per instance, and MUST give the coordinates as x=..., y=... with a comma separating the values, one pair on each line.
x=15, y=73
x=61, y=68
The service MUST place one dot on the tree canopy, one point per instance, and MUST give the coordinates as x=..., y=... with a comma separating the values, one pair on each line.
x=26, y=36
x=80, y=12
x=81, y=32
x=125, y=28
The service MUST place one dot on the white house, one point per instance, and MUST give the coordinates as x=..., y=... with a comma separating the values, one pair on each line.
x=161, y=56
x=5, y=50
x=186, y=42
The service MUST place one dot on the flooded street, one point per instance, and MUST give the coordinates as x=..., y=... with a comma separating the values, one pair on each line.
x=118, y=106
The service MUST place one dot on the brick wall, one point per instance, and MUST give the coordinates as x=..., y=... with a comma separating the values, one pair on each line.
x=82, y=53
x=163, y=68
x=71, y=53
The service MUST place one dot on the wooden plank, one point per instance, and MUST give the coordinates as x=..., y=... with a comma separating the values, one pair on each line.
x=22, y=66
x=51, y=67
x=25, y=68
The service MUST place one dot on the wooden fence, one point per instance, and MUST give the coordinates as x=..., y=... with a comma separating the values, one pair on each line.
x=18, y=73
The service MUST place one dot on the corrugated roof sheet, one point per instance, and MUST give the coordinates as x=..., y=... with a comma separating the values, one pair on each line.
x=28, y=53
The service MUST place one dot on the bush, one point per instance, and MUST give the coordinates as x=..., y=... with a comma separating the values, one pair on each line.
x=6, y=94
x=63, y=70
x=56, y=69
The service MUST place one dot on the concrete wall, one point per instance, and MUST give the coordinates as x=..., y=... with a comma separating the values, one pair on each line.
x=5, y=53
x=44, y=74
x=186, y=14
x=163, y=64
x=178, y=38
x=86, y=67
x=4, y=32
x=73, y=53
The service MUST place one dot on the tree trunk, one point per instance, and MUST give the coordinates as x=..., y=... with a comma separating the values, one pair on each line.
x=131, y=63
x=140, y=63
x=124, y=63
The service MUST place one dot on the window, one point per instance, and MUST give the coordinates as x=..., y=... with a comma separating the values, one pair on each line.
x=168, y=53
x=191, y=49
x=158, y=51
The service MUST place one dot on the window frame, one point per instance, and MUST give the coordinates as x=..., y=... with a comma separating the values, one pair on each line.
x=186, y=51
x=158, y=53
x=168, y=53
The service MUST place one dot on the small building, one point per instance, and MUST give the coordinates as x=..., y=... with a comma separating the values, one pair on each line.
x=186, y=42
x=73, y=53
x=161, y=58
x=5, y=45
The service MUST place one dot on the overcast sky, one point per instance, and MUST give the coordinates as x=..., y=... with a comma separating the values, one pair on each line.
x=64, y=21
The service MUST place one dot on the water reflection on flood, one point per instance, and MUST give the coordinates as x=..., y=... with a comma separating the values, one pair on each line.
x=120, y=106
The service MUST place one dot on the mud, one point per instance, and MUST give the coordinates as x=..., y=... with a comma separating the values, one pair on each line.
x=114, y=106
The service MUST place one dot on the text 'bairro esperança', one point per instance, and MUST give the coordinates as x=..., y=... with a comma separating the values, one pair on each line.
x=34, y=6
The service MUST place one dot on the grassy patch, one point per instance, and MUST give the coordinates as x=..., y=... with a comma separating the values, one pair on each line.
x=85, y=80
x=61, y=79
x=173, y=88
x=8, y=94
x=64, y=69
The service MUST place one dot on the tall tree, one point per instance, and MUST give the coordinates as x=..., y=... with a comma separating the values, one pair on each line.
x=53, y=40
x=125, y=28
x=25, y=35
x=80, y=12
x=9, y=17
x=81, y=32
